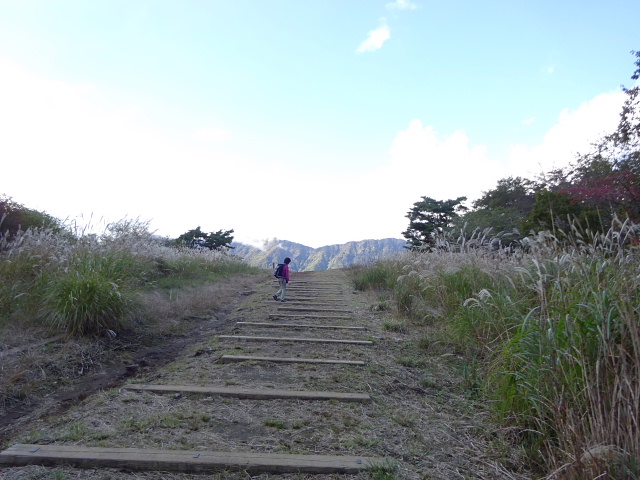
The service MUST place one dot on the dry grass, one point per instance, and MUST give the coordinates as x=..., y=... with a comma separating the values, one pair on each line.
x=550, y=333
x=38, y=375
x=421, y=418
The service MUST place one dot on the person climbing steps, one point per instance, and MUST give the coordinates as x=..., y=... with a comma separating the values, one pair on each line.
x=282, y=274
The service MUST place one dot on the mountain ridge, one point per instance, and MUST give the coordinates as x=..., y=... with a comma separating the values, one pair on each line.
x=304, y=258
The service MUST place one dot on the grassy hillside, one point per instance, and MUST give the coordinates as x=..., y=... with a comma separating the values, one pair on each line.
x=105, y=296
x=88, y=284
x=549, y=334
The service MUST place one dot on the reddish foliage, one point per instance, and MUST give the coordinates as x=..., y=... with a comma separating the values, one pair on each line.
x=620, y=189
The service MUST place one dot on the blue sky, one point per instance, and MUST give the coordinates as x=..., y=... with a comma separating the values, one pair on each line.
x=318, y=122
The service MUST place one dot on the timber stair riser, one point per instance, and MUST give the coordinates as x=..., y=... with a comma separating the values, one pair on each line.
x=187, y=461
x=315, y=293
x=318, y=317
x=312, y=310
x=296, y=325
x=253, y=394
x=308, y=297
x=296, y=303
x=315, y=298
x=245, y=338
x=298, y=286
x=237, y=358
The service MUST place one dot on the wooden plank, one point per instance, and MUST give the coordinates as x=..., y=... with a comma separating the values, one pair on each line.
x=186, y=461
x=324, y=296
x=314, y=291
x=246, y=358
x=323, y=317
x=335, y=291
x=293, y=339
x=304, y=303
x=313, y=310
x=312, y=296
x=254, y=394
x=313, y=283
x=306, y=288
x=294, y=325
x=302, y=298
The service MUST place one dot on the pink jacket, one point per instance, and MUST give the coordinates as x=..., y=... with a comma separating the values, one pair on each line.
x=285, y=272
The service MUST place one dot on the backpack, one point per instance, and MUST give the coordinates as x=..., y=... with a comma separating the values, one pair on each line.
x=278, y=271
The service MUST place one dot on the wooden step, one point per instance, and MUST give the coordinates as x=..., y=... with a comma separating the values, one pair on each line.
x=292, y=339
x=322, y=317
x=245, y=358
x=303, y=303
x=313, y=310
x=294, y=325
x=309, y=288
x=253, y=394
x=186, y=461
x=315, y=288
x=305, y=288
x=307, y=297
x=333, y=301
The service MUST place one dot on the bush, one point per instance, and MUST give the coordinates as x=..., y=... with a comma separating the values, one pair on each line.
x=380, y=276
x=554, y=331
x=83, y=284
x=86, y=302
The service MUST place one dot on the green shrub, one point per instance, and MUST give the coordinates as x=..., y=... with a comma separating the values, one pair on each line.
x=550, y=335
x=85, y=302
x=380, y=276
x=84, y=284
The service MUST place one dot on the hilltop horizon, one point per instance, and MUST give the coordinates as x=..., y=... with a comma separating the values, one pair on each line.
x=266, y=241
x=327, y=257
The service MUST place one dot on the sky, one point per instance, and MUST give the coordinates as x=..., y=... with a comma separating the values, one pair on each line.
x=318, y=122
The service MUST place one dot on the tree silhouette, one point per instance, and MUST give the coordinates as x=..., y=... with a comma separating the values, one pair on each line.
x=196, y=238
x=430, y=217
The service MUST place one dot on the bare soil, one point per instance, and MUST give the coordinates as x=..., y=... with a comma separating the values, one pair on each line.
x=423, y=418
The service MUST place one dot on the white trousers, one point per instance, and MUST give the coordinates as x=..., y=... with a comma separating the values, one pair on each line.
x=283, y=288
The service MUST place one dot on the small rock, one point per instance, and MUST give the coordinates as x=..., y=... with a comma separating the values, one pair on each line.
x=599, y=454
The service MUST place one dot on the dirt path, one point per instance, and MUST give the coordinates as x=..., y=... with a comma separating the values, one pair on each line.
x=419, y=418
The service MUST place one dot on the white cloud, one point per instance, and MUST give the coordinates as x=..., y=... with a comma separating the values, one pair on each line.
x=421, y=162
x=375, y=39
x=65, y=150
x=402, y=5
x=529, y=121
x=212, y=134
x=574, y=132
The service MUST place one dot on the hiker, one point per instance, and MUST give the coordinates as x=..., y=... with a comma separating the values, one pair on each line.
x=282, y=274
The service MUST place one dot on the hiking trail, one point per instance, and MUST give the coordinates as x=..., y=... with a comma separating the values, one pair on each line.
x=315, y=387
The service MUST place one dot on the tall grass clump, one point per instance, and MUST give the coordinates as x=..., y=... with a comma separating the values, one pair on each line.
x=378, y=276
x=554, y=328
x=84, y=284
x=571, y=374
x=93, y=294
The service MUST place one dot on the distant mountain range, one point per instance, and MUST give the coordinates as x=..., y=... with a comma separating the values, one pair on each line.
x=305, y=258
